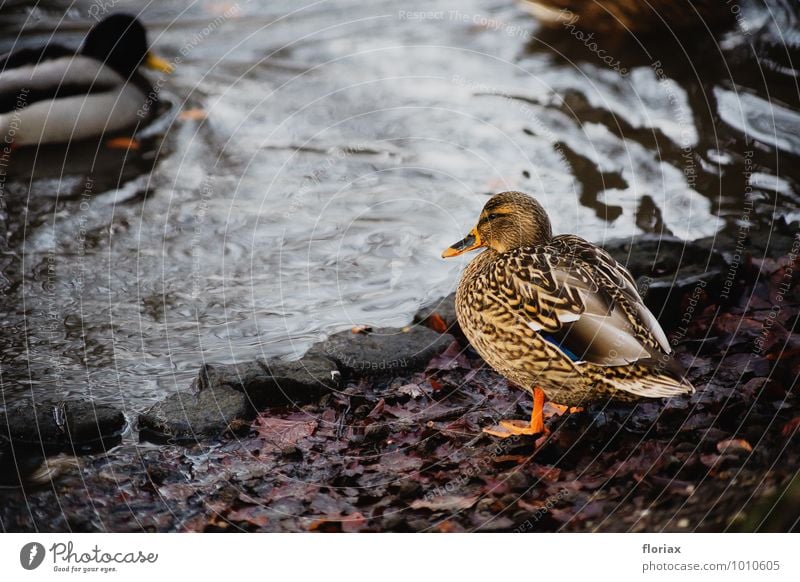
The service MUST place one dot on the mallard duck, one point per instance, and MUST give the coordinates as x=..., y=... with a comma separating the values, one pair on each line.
x=53, y=94
x=632, y=15
x=557, y=313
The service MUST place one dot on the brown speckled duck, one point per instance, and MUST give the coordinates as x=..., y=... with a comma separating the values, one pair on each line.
x=557, y=313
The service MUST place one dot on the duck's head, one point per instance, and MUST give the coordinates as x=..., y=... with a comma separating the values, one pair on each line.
x=120, y=41
x=509, y=220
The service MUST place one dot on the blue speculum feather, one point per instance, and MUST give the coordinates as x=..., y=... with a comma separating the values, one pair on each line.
x=553, y=340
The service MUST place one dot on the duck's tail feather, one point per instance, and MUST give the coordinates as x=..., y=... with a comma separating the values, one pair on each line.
x=650, y=378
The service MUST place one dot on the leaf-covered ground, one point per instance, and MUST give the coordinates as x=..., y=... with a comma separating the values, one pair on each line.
x=406, y=453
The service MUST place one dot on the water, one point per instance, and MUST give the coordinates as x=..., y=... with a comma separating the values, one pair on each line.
x=346, y=144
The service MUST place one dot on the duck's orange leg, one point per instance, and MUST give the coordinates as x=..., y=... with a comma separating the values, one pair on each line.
x=123, y=143
x=508, y=428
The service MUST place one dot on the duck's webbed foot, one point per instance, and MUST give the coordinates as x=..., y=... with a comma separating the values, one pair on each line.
x=536, y=426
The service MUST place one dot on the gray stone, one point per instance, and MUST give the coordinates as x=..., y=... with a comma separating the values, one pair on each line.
x=275, y=382
x=192, y=417
x=384, y=352
x=62, y=426
x=773, y=239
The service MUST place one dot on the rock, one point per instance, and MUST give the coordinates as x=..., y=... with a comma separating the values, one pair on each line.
x=445, y=309
x=774, y=239
x=275, y=382
x=6, y=257
x=17, y=463
x=384, y=352
x=63, y=426
x=193, y=417
x=667, y=269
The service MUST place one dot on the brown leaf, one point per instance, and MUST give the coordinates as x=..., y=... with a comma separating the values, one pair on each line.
x=378, y=409
x=791, y=427
x=547, y=473
x=123, y=143
x=279, y=433
x=253, y=515
x=412, y=390
x=353, y=523
x=447, y=526
x=734, y=446
x=401, y=412
x=398, y=462
x=450, y=359
x=176, y=492
x=517, y=459
x=436, y=323
x=446, y=503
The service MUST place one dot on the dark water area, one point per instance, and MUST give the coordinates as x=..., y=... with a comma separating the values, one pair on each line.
x=309, y=162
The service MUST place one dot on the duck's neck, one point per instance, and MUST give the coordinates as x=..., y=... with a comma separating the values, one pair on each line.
x=480, y=262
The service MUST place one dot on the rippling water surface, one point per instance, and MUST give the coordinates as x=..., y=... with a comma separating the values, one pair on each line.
x=345, y=145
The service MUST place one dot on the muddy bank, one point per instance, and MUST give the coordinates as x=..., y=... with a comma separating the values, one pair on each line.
x=380, y=430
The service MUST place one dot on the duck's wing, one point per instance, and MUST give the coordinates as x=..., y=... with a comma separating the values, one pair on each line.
x=33, y=56
x=32, y=76
x=580, y=299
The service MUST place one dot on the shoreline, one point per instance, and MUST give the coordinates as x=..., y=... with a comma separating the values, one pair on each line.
x=338, y=442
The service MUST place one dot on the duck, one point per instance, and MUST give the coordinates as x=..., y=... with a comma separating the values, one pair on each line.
x=557, y=315
x=54, y=94
x=631, y=15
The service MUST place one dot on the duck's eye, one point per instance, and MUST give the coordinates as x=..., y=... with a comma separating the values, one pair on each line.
x=492, y=216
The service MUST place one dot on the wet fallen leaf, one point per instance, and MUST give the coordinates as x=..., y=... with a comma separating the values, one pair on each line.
x=279, y=433
x=517, y=459
x=447, y=526
x=547, y=473
x=412, y=390
x=436, y=323
x=254, y=515
x=402, y=412
x=791, y=427
x=192, y=115
x=450, y=359
x=176, y=492
x=399, y=462
x=734, y=446
x=122, y=143
x=378, y=409
x=446, y=503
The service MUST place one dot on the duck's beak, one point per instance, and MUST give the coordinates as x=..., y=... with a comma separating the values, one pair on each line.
x=158, y=64
x=468, y=243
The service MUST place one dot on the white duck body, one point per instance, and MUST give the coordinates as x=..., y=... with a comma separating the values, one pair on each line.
x=97, y=100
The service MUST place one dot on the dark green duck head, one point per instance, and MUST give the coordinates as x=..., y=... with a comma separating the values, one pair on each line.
x=120, y=42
